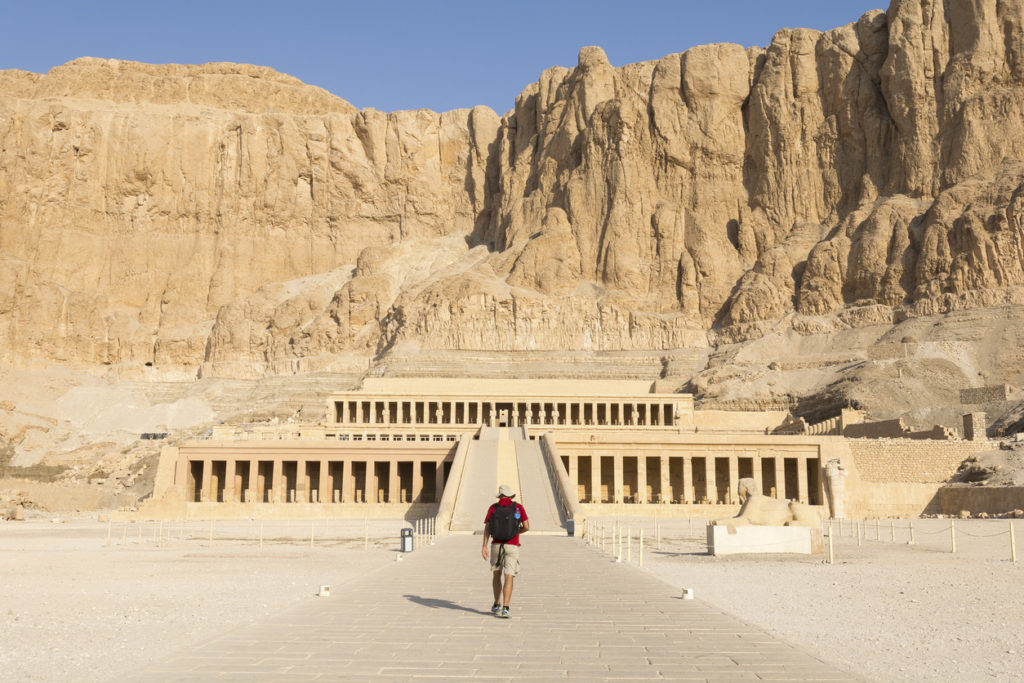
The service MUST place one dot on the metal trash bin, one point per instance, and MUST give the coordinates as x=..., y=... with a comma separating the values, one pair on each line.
x=570, y=526
x=406, y=540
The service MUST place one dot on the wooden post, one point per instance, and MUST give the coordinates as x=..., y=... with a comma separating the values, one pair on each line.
x=831, y=555
x=860, y=534
x=877, y=537
x=1013, y=545
x=911, y=532
x=109, y=522
x=952, y=535
x=892, y=530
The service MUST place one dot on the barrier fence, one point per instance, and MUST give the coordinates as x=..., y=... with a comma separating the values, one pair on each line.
x=262, y=533
x=844, y=538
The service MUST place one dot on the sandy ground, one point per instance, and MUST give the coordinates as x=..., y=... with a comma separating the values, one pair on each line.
x=885, y=610
x=74, y=608
x=889, y=611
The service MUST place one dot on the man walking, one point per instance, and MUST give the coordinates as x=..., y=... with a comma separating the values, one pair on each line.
x=505, y=520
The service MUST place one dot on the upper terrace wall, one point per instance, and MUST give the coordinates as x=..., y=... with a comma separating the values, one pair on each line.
x=429, y=386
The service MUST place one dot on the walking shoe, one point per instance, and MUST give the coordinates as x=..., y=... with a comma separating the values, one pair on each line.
x=495, y=609
x=504, y=613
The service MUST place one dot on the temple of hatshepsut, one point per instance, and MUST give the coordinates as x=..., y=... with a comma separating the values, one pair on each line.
x=419, y=447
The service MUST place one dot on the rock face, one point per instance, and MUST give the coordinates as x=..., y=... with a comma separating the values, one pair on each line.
x=232, y=219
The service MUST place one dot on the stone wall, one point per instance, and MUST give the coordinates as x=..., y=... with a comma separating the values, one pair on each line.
x=977, y=499
x=991, y=394
x=911, y=461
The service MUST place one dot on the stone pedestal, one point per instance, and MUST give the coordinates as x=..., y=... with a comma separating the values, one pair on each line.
x=739, y=540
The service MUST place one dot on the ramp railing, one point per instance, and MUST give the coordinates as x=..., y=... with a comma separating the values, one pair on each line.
x=446, y=507
x=567, y=497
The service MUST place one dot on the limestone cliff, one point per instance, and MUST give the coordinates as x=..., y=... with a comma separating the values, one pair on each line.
x=231, y=218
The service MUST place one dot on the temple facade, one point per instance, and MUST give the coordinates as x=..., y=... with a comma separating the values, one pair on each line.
x=612, y=448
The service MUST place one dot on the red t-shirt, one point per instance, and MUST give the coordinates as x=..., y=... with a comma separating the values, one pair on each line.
x=520, y=513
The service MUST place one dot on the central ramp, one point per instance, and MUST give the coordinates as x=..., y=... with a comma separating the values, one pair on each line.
x=537, y=488
x=427, y=619
x=506, y=456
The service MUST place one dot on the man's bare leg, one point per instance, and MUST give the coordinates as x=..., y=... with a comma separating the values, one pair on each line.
x=507, y=594
x=496, y=584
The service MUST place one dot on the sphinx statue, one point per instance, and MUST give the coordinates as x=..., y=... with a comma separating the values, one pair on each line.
x=761, y=510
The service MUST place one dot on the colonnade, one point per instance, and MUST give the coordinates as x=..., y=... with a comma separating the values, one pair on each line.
x=507, y=411
x=327, y=480
x=708, y=478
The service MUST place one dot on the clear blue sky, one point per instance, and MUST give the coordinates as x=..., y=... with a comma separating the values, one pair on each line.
x=400, y=54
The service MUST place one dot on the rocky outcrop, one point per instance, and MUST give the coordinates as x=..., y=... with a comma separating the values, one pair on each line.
x=136, y=201
x=230, y=217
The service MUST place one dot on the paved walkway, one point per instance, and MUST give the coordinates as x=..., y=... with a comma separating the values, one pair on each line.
x=576, y=615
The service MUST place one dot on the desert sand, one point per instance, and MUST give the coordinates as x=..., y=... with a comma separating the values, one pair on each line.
x=884, y=610
x=889, y=611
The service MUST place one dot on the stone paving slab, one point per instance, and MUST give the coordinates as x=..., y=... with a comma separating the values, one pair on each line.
x=576, y=615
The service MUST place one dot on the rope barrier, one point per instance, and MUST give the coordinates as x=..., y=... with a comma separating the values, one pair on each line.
x=967, y=533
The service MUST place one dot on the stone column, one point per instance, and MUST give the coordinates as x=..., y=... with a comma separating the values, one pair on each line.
x=595, y=478
x=204, y=483
x=709, y=476
x=417, y=479
x=348, y=482
x=231, y=491
x=394, y=483
x=734, y=478
x=254, y=482
x=758, y=479
x=780, y=477
x=439, y=481
x=666, y=482
x=689, y=490
x=277, y=486
x=324, y=494
x=641, y=477
x=617, y=478
x=801, y=479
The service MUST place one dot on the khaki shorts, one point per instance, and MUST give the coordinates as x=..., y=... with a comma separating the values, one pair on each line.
x=509, y=558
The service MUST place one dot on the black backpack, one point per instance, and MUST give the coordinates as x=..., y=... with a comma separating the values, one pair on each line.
x=503, y=525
